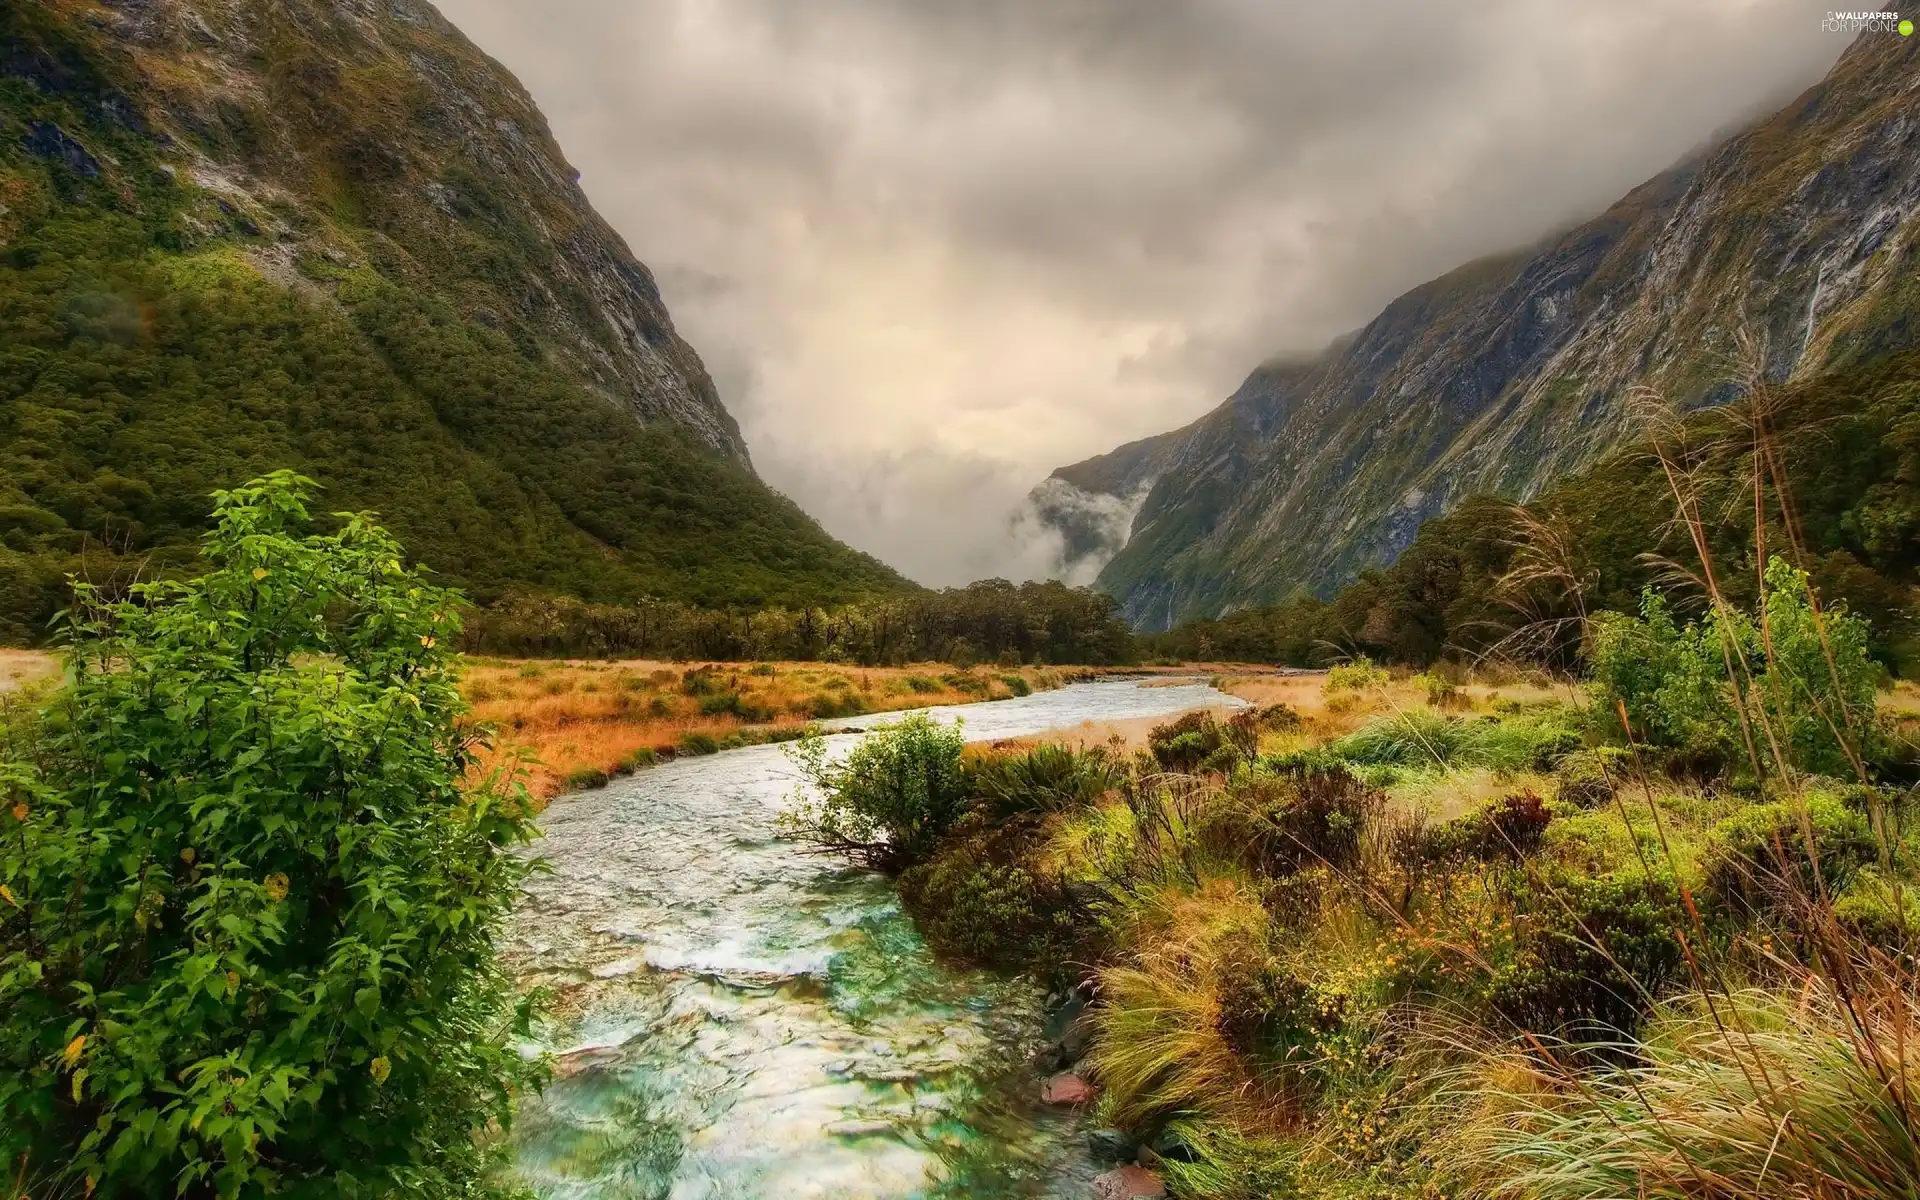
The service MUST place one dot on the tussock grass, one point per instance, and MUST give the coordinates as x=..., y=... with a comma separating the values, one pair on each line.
x=1783, y=1091
x=578, y=718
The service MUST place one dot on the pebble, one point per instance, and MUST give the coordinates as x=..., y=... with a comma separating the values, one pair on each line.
x=1111, y=1146
x=1129, y=1183
x=1066, y=1088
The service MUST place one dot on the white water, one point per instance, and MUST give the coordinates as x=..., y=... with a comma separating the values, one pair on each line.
x=739, y=1019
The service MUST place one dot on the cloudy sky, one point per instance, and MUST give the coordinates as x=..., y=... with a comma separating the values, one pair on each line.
x=931, y=249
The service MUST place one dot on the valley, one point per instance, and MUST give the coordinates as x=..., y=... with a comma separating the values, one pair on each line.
x=435, y=760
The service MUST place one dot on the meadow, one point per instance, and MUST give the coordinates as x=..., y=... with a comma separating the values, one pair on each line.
x=578, y=723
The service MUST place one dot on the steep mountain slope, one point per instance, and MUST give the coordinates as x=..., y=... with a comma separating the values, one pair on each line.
x=1515, y=370
x=333, y=235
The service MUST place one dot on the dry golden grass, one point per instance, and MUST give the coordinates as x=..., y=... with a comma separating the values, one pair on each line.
x=18, y=667
x=572, y=716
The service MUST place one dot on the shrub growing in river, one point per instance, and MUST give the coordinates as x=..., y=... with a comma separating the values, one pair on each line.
x=892, y=799
x=248, y=915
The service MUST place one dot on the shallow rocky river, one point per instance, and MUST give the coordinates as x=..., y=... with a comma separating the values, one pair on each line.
x=735, y=1018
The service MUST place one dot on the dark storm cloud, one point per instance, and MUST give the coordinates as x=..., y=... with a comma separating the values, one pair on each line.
x=933, y=248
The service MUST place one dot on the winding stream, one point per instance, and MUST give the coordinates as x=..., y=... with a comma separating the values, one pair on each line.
x=738, y=1019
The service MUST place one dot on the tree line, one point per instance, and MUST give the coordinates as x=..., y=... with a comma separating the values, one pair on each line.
x=989, y=621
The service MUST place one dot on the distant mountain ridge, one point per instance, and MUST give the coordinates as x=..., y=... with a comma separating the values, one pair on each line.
x=1515, y=370
x=334, y=235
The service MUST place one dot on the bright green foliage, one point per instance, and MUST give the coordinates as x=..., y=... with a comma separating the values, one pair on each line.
x=1422, y=738
x=1673, y=680
x=892, y=799
x=1045, y=778
x=1803, y=682
x=1758, y=862
x=1360, y=675
x=249, y=915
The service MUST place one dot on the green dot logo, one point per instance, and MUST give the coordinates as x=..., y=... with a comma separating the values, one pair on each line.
x=1906, y=29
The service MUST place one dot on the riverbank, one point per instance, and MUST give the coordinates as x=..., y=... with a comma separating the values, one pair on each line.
x=581, y=722
x=1376, y=936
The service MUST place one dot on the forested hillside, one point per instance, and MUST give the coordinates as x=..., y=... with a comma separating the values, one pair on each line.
x=1492, y=575
x=244, y=235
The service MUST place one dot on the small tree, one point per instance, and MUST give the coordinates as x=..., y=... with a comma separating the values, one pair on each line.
x=248, y=913
x=1801, y=679
x=890, y=801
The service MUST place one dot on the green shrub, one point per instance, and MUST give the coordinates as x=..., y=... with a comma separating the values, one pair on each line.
x=1587, y=778
x=966, y=683
x=1280, y=823
x=1590, y=954
x=823, y=706
x=1507, y=827
x=1017, y=684
x=1878, y=913
x=586, y=779
x=1438, y=690
x=1756, y=864
x=1360, y=675
x=639, y=760
x=888, y=804
x=248, y=940
x=972, y=907
x=1197, y=740
x=923, y=685
x=697, y=743
x=1045, y=778
x=1674, y=681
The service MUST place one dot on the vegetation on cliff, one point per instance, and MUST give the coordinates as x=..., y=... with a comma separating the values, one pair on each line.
x=1837, y=461
x=216, y=263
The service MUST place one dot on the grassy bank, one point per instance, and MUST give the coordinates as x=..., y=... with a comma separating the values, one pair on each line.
x=583, y=722
x=1410, y=936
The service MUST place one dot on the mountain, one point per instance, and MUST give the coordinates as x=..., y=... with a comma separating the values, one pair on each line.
x=333, y=235
x=1510, y=372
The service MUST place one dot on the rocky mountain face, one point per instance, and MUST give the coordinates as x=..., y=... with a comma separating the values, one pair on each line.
x=373, y=131
x=1798, y=236
x=334, y=235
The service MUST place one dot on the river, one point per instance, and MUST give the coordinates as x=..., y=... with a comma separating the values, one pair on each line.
x=735, y=1018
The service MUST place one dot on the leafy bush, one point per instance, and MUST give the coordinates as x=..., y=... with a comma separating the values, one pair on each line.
x=897, y=793
x=1591, y=954
x=586, y=779
x=1756, y=864
x=982, y=900
x=247, y=944
x=1198, y=740
x=1510, y=826
x=1587, y=778
x=1360, y=675
x=1017, y=684
x=1688, y=688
